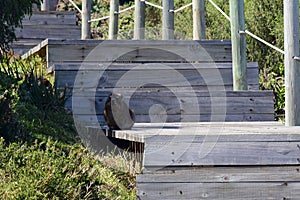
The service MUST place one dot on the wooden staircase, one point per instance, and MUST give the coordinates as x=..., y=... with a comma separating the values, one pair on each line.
x=43, y=25
x=250, y=157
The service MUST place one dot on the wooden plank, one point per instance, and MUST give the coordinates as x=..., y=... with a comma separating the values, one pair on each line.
x=177, y=105
x=140, y=76
x=49, y=31
x=139, y=51
x=222, y=175
x=75, y=66
x=188, y=132
x=163, y=92
x=54, y=18
x=158, y=155
x=40, y=48
x=91, y=118
x=219, y=191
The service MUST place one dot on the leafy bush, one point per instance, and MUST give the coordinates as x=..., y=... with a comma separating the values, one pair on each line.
x=41, y=157
x=27, y=104
x=47, y=171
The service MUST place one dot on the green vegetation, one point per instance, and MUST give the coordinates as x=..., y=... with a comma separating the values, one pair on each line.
x=41, y=155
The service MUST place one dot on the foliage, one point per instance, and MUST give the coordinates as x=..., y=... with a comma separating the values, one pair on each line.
x=11, y=14
x=40, y=155
x=45, y=170
x=27, y=103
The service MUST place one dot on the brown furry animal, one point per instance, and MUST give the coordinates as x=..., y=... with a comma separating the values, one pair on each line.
x=117, y=115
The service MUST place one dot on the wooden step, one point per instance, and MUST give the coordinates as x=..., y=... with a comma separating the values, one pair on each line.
x=49, y=31
x=198, y=75
x=182, y=106
x=50, y=18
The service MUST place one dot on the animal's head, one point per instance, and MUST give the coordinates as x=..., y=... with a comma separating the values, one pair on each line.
x=116, y=98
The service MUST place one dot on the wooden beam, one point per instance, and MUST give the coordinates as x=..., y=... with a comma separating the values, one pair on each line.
x=45, y=5
x=113, y=20
x=292, y=71
x=238, y=45
x=139, y=20
x=86, y=16
x=168, y=20
x=199, y=27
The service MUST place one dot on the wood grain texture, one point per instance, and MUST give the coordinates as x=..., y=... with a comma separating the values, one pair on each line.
x=139, y=51
x=222, y=175
x=199, y=131
x=43, y=18
x=220, y=191
x=48, y=31
x=155, y=74
x=222, y=153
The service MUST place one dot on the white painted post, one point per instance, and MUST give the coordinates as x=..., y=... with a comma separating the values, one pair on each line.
x=199, y=26
x=86, y=16
x=45, y=6
x=168, y=20
x=239, y=64
x=292, y=70
x=113, y=20
x=139, y=20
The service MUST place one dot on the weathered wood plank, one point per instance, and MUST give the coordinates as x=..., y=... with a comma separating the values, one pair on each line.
x=159, y=77
x=49, y=31
x=219, y=191
x=58, y=18
x=75, y=66
x=188, y=132
x=158, y=155
x=91, y=119
x=222, y=175
x=189, y=105
x=140, y=51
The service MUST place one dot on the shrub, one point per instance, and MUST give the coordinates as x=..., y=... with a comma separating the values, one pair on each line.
x=46, y=170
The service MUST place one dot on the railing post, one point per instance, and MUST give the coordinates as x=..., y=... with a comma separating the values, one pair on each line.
x=139, y=20
x=238, y=40
x=199, y=27
x=86, y=16
x=292, y=70
x=45, y=6
x=113, y=20
x=168, y=20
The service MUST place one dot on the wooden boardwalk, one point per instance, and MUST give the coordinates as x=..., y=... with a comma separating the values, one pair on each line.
x=230, y=160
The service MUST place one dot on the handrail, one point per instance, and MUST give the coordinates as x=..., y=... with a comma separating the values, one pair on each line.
x=183, y=7
x=246, y=31
x=74, y=4
x=153, y=5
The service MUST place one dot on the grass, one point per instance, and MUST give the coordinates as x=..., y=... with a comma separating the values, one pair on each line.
x=40, y=152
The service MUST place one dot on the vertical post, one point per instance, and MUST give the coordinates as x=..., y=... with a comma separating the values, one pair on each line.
x=113, y=20
x=45, y=6
x=199, y=26
x=86, y=16
x=292, y=71
x=139, y=20
x=238, y=40
x=168, y=20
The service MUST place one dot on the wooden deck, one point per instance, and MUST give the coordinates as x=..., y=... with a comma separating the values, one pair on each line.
x=230, y=160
